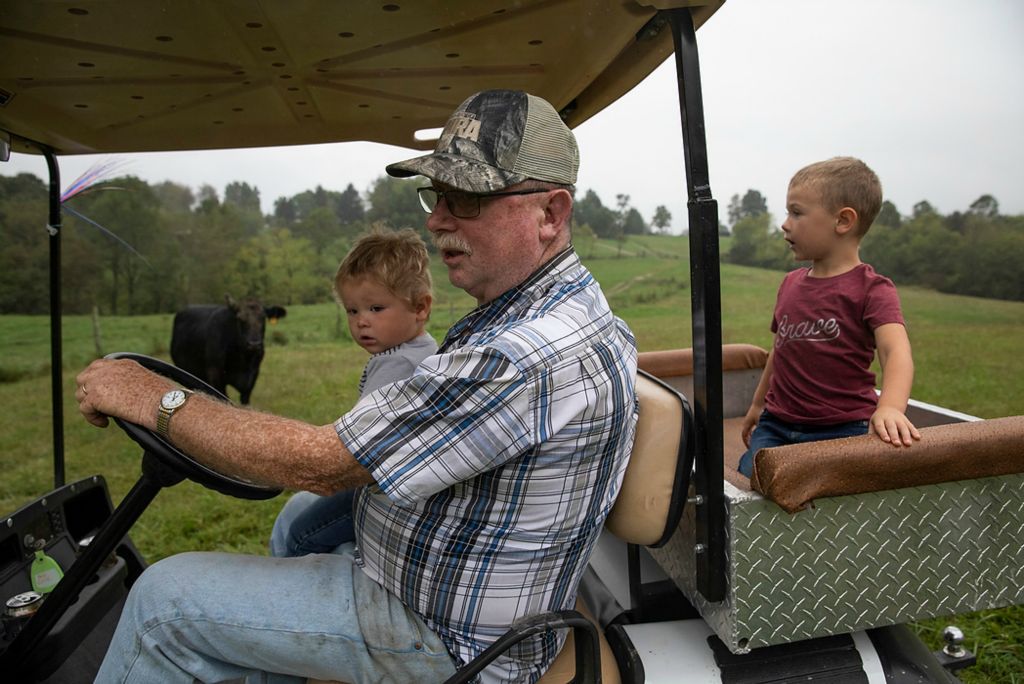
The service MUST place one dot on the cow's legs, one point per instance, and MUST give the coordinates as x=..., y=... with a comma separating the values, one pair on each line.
x=247, y=383
x=215, y=377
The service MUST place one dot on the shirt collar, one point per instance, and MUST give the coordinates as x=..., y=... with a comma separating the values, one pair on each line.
x=515, y=299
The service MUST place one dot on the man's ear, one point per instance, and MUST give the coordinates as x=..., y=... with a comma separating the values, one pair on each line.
x=557, y=211
x=846, y=220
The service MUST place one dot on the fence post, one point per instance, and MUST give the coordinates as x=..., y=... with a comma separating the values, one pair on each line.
x=97, y=339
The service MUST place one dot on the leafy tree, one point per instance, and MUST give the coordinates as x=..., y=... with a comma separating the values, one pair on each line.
x=957, y=221
x=208, y=197
x=23, y=186
x=734, y=212
x=246, y=201
x=198, y=248
x=278, y=267
x=986, y=206
x=634, y=223
x=591, y=211
x=82, y=278
x=243, y=196
x=662, y=218
x=131, y=214
x=755, y=242
x=988, y=263
x=218, y=234
x=753, y=204
x=393, y=201
x=23, y=259
x=160, y=287
x=584, y=240
x=350, y=206
x=889, y=215
x=622, y=204
x=919, y=252
x=174, y=198
x=320, y=227
x=629, y=219
x=985, y=262
x=346, y=206
x=923, y=208
x=285, y=212
x=330, y=259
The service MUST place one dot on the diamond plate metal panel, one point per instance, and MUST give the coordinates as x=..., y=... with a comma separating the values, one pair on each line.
x=856, y=562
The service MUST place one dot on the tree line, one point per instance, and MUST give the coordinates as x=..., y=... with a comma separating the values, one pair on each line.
x=129, y=247
x=977, y=252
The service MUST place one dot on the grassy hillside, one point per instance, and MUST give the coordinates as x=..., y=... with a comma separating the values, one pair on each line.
x=968, y=354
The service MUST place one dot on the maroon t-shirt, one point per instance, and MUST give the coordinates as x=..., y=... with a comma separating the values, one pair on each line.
x=825, y=343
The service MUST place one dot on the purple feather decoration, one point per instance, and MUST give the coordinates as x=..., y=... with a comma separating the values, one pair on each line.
x=91, y=180
x=98, y=173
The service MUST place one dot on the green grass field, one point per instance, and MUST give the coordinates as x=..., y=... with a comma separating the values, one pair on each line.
x=968, y=356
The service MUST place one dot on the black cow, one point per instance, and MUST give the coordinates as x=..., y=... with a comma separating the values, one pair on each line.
x=223, y=345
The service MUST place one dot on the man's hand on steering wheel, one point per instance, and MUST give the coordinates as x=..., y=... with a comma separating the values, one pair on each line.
x=120, y=388
x=128, y=387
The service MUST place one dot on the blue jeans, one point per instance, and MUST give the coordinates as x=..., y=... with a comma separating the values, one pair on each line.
x=211, y=617
x=313, y=524
x=772, y=432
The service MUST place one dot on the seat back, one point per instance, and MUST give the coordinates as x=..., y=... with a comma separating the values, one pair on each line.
x=742, y=365
x=657, y=477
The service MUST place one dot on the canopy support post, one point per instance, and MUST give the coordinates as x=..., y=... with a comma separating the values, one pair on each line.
x=706, y=308
x=53, y=227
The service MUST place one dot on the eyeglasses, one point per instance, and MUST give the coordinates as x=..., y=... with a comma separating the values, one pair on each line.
x=463, y=204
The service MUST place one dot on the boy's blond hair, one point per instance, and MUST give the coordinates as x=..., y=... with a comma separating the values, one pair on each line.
x=844, y=182
x=397, y=260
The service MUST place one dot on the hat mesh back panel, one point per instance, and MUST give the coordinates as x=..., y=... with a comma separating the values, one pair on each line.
x=546, y=140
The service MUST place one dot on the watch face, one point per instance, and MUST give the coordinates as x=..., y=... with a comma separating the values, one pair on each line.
x=173, y=399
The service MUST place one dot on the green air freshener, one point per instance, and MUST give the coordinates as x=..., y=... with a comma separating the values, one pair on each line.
x=45, y=573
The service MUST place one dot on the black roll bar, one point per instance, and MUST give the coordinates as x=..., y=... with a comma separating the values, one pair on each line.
x=53, y=227
x=706, y=307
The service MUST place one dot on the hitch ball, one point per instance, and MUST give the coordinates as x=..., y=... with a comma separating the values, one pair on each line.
x=953, y=638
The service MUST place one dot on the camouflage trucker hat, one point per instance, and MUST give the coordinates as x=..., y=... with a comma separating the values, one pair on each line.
x=498, y=138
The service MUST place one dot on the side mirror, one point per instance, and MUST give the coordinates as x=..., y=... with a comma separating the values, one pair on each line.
x=5, y=146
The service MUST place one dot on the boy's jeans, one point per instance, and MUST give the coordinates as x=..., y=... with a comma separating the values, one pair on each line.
x=309, y=523
x=771, y=432
x=212, y=617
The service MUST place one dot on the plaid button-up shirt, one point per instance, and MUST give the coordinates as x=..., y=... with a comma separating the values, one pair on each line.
x=497, y=462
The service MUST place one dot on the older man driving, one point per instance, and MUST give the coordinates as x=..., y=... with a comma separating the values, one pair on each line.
x=484, y=479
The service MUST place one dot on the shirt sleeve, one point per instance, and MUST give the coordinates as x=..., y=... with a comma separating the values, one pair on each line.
x=882, y=304
x=464, y=413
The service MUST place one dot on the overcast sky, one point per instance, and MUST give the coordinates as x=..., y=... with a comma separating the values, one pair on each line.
x=930, y=93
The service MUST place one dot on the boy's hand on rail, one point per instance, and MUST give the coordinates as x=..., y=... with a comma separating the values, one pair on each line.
x=892, y=426
x=749, y=423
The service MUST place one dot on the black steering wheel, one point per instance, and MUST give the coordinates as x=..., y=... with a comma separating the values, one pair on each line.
x=173, y=458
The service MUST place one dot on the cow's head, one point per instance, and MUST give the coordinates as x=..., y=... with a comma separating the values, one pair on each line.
x=251, y=317
x=251, y=321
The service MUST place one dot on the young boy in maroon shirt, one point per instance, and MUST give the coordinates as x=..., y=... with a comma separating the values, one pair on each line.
x=829, y=319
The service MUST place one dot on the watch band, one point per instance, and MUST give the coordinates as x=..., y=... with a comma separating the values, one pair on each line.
x=164, y=413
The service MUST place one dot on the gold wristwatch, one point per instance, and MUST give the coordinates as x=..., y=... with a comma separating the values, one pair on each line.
x=171, y=402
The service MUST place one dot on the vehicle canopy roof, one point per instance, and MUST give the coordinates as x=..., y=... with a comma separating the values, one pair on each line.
x=101, y=76
x=96, y=76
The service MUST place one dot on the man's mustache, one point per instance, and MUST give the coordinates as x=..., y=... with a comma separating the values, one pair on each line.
x=446, y=242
